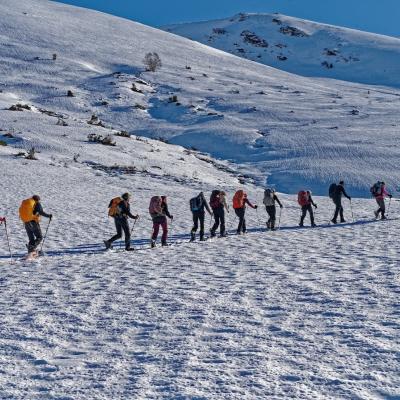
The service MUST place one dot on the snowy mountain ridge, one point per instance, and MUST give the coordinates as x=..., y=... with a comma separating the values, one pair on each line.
x=302, y=47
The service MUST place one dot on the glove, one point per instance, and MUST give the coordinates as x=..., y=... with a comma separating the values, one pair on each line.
x=2, y=219
x=390, y=196
x=256, y=206
x=172, y=217
x=50, y=217
x=315, y=206
x=281, y=206
x=137, y=216
x=349, y=198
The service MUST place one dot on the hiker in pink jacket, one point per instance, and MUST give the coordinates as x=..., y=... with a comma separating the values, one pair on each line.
x=159, y=212
x=379, y=192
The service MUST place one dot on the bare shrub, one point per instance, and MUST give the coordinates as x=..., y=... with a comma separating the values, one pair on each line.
x=152, y=62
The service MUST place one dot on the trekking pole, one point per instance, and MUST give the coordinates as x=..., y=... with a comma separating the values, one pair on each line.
x=390, y=200
x=260, y=225
x=8, y=238
x=351, y=208
x=133, y=227
x=279, y=220
x=45, y=236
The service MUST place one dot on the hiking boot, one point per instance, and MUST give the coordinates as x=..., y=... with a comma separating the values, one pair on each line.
x=223, y=234
x=129, y=248
x=202, y=239
x=164, y=244
x=313, y=225
x=342, y=221
x=107, y=244
x=383, y=217
x=376, y=214
x=268, y=225
x=238, y=233
x=301, y=224
x=333, y=221
x=212, y=233
x=153, y=244
x=244, y=232
x=192, y=237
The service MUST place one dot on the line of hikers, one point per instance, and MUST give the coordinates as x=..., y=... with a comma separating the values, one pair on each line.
x=31, y=210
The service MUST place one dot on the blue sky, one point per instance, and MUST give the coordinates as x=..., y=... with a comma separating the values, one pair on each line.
x=380, y=16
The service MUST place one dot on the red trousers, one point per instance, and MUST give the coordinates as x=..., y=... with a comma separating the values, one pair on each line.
x=156, y=228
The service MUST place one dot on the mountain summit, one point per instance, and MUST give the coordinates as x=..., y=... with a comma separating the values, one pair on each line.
x=302, y=47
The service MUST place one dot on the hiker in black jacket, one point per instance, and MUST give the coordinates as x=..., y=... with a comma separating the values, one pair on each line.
x=197, y=206
x=337, y=199
x=123, y=212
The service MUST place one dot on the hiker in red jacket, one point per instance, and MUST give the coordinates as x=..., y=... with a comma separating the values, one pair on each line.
x=306, y=202
x=380, y=193
x=239, y=205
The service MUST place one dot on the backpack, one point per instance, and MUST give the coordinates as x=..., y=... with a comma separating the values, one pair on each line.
x=26, y=211
x=113, y=210
x=195, y=203
x=269, y=197
x=303, y=198
x=333, y=190
x=376, y=189
x=155, y=205
x=214, y=199
x=238, y=199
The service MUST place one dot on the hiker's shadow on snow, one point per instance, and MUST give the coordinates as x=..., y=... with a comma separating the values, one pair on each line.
x=143, y=244
x=322, y=226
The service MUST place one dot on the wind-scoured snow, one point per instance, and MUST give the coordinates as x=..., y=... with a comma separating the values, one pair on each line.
x=302, y=47
x=299, y=313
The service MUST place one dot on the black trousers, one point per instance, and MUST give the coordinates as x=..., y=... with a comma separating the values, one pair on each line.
x=271, y=210
x=198, y=217
x=122, y=224
x=338, y=210
x=34, y=234
x=304, y=210
x=219, y=216
x=240, y=212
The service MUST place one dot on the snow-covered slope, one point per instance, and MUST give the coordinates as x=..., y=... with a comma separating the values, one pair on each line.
x=291, y=314
x=291, y=130
x=302, y=47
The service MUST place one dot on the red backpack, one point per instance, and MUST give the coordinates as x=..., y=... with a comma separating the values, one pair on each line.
x=238, y=199
x=155, y=205
x=215, y=201
x=303, y=198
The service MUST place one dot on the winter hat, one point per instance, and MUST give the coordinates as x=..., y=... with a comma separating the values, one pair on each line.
x=126, y=196
x=36, y=197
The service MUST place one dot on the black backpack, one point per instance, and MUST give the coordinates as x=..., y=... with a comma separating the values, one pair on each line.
x=333, y=190
x=195, y=203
